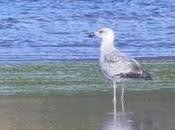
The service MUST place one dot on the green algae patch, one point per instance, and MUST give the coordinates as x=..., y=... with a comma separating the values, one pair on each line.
x=72, y=77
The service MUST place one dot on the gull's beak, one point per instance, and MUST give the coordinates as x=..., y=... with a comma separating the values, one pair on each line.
x=91, y=35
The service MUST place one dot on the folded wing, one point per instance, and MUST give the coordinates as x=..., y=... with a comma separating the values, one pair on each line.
x=118, y=64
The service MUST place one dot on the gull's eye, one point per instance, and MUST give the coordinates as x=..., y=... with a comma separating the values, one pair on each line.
x=101, y=31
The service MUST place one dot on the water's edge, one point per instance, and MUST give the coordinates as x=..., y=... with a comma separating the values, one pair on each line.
x=76, y=77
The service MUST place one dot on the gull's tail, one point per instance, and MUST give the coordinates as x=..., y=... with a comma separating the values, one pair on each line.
x=144, y=75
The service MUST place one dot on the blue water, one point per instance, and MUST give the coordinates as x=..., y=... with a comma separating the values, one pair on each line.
x=53, y=29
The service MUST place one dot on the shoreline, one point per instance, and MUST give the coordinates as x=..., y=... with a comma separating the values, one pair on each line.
x=77, y=77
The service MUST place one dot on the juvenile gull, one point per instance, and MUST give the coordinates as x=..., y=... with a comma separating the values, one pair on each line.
x=115, y=65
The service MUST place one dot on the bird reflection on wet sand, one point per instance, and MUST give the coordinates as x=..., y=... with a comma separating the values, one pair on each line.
x=121, y=120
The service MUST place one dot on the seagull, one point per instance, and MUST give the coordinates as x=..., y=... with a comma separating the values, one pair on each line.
x=115, y=65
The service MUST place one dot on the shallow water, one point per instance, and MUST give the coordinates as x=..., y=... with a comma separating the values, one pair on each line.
x=78, y=77
x=51, y=30
x=143, y=111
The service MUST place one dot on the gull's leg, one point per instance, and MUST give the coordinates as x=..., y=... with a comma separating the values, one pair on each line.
x=123, y=107
x=114, y=103
x=114, y=91
x=122, y=95
x=115, y=112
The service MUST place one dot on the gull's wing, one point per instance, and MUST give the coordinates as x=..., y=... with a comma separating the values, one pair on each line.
x=124, y=66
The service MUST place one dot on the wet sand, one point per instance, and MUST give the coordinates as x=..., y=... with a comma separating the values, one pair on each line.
x=142, y=111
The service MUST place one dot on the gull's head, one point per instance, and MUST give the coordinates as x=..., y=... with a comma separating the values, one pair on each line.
x=105, y=34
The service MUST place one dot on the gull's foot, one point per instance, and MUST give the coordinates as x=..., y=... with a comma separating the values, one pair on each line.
x=122, y=99
x=114, y=99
